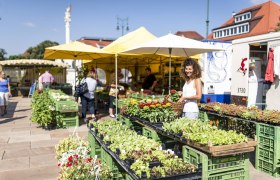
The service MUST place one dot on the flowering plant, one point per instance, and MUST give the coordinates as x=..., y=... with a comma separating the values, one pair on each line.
x=174, y=95
x=77, y=164
x=70, y=143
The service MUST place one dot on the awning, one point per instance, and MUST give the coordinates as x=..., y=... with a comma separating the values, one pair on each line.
x=32, y=62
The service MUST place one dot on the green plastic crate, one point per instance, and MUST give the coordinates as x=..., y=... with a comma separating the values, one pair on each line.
x=94, y=145
x=268, y=149
x=108, y=159
x=66, y=106
x=216, y=165
x=203, y=116
x=152, y=134
x=70, y=122
x=128, y=177
x=236, y=175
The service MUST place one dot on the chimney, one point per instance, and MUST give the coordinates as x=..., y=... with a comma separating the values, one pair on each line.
x=233, y=13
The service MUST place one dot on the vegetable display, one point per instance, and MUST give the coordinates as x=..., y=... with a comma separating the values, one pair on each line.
x=252, y=113
x=203, y=133
x=140, y=151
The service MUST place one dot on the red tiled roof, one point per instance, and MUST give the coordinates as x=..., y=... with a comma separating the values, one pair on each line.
x=96, y=43
x=264, y=20
x=190, y=34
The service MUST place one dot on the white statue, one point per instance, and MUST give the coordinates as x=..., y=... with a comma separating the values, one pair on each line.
x=67, y=17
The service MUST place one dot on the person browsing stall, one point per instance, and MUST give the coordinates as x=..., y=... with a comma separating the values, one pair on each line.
x=87, y=99
x=113, y=92
x=5, y=93
x=192, y=88
x=150, y=80
x=47, y=79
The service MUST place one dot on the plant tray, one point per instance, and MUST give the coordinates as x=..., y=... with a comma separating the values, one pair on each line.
x=224, y=150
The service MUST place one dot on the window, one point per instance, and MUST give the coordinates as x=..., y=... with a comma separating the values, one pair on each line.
x=243, y=17
x=231, y=31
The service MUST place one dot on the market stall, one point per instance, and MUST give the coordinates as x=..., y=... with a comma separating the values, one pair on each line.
x=24, y=72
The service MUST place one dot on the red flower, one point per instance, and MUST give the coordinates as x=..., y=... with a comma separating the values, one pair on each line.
x=76, y=156
x=88, y=160
x=76, y=162
x=69, y=164
x=141, y=105
x=173, y=91
x=70, y=158
x=59, y=164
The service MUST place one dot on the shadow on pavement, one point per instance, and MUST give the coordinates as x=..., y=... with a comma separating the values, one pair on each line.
x=11, y=119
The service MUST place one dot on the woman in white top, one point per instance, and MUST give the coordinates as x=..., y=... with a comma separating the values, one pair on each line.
x=191, y=71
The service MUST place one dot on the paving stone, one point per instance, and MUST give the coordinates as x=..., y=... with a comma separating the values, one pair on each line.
x=30, y=138
x=13, y=164
x=18, y=146
x=15, y=153
x=42, y=173
x=44, y=143
x=60, y=135
x=42, y=160
x=2, y=152
x=15, y=134
x=4, y=140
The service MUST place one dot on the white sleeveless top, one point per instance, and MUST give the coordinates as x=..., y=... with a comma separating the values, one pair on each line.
x=190, y=90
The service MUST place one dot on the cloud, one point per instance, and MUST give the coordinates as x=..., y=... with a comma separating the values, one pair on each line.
x=255, y=2
x=29, y=24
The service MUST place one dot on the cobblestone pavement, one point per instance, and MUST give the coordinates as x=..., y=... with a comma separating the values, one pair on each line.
x=27, y=150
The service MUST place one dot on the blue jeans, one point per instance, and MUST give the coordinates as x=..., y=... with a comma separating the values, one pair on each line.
x=87, y=104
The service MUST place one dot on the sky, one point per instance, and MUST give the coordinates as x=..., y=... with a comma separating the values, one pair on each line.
x=26, y=23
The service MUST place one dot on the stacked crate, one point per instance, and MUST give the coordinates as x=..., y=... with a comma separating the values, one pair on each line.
x=94, y=145
x=152, y=134
x=118, y=172
x=66, y=108
x=268, y=149
x=225, y=167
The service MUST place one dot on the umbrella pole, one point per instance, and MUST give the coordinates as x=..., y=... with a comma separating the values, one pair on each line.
x=169, y=86
x=116, y=76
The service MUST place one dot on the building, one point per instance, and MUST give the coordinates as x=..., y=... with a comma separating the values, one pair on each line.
x=97, y=42
x=190, y=34
x=252, y=33
x=252, y=21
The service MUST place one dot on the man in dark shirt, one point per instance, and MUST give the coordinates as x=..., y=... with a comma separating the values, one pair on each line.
x=150, y=80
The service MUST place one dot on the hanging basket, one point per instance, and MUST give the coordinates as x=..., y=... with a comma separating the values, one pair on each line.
x=176, y=106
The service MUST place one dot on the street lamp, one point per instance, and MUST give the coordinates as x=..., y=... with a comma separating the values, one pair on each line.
x=123, y=23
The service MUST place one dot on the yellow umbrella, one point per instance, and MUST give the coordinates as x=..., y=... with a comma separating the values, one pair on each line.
x=75, y=50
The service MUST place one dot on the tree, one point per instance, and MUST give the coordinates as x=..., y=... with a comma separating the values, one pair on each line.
x=38, y=51
x=2, y=54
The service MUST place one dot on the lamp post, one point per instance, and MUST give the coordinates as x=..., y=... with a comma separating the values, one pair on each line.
x=122, y=23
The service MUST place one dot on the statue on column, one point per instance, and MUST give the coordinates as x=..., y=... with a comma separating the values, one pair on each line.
x=67, y=17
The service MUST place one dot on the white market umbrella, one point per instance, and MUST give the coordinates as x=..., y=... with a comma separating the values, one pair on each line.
x=173, y=45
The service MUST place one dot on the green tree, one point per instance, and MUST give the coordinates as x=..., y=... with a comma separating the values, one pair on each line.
x=2, y=54
x=20, y=56
x=38, y=51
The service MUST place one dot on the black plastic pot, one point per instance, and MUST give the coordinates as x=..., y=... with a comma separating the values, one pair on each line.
x=118, y=152
x=154, y=163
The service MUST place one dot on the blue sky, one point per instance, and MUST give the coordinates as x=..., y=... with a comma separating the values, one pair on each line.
x=26, y=23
